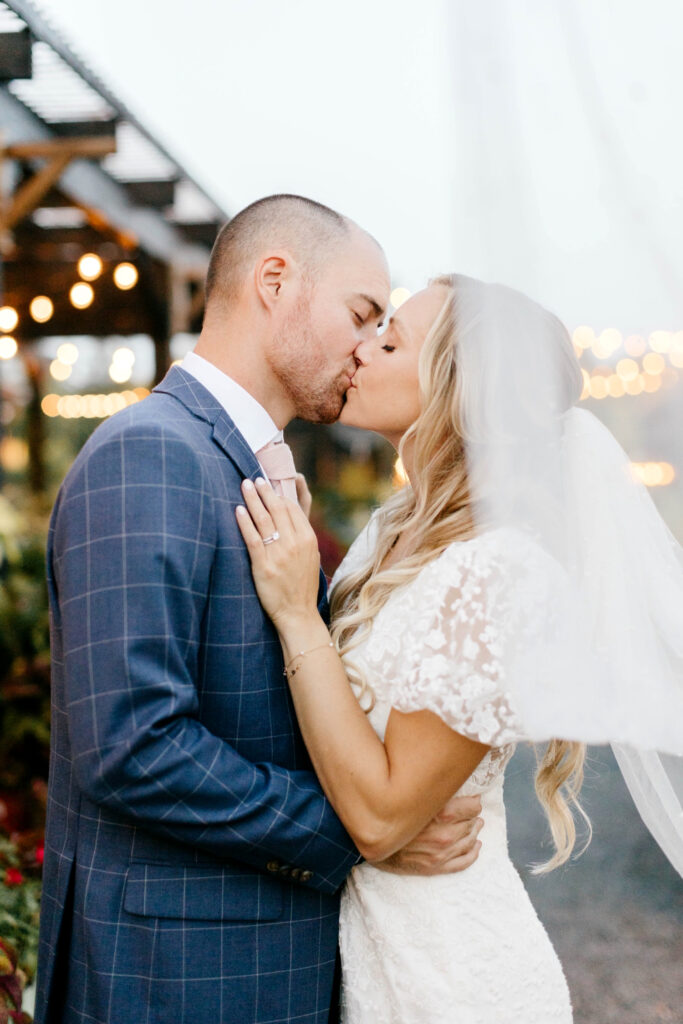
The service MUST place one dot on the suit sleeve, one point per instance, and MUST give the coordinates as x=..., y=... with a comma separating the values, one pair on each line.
x=133, y=542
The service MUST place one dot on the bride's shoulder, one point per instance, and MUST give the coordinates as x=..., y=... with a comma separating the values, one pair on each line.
x=360, y=550
x=500, y=551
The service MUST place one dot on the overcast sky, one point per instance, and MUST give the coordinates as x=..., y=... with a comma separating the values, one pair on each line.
x=535, y=142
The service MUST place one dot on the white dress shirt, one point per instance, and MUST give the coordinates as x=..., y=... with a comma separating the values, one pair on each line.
x=251, y=419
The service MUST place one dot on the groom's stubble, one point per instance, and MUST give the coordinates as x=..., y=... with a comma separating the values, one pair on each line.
x=301, y=364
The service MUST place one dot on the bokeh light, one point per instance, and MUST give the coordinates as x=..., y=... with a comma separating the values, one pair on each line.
x=653, y=474
x=653, y=363
x=90, y=266
x=399, y=296
x=660, y=341
x=125, y=276
x=41, y=309
x=9, y=318
x=81, y=295
x=607, y=343
x=635, y=345
x=120, y=373
x=583, y=337
x=8, y=347
x=627, y=369
x=124, y=356
x=91, y=406
x=59, y=370
x=67, y=353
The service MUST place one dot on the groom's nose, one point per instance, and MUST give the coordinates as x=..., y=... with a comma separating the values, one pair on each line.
x=362, y=353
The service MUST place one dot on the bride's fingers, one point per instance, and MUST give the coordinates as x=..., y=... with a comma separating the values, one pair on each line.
x=252, y=537
x=278, y=507
x=260, y=515
x=267, y=520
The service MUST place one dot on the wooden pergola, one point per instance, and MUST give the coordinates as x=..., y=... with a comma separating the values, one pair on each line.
x=79, y=173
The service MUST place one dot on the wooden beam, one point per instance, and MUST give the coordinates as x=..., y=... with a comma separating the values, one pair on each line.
x=32, y=191
x=74, y=148
x=59, y=153
x=87, y=184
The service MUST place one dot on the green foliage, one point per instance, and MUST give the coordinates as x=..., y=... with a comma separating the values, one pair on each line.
x=24, y=657
x=24, y=744
x=20, y=866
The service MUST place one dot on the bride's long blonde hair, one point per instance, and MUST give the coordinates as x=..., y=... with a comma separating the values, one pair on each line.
x=437, y=511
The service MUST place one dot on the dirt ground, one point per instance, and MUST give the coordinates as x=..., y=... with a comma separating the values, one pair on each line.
x=615, y=915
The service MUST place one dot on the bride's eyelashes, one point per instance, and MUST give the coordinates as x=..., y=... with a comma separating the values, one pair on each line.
x=388, y=348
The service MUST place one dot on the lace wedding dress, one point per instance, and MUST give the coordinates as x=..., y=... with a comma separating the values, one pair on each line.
x=466, y=948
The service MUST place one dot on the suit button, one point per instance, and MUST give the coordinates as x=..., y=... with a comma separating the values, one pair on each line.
x=273, y=866
x=306, y=876
x=285, y=871
x=296, y=874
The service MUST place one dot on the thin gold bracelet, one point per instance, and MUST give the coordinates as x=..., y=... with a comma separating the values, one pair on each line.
x=302, y=654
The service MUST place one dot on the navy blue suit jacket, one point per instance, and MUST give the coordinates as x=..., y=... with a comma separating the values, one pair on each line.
x=192, y=862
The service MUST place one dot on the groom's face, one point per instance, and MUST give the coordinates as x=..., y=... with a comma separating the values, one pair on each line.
x=337, y=310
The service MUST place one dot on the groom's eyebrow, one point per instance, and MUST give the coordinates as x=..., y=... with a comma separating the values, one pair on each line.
x=377, y=308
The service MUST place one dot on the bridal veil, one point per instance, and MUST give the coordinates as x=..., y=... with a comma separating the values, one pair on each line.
x=602, y=660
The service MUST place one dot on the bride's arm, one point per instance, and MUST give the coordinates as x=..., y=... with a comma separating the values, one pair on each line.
x=384, y=793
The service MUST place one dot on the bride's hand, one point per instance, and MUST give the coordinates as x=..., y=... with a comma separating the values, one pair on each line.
x=284, y=554
x=303, y=495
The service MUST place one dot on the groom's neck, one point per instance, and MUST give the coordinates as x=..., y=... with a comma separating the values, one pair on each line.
x=237, y=347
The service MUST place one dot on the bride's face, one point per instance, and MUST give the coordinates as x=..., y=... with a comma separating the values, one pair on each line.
x=384, y=395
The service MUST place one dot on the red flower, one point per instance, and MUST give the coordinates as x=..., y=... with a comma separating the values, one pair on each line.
x=40, y=854
x=13, y=876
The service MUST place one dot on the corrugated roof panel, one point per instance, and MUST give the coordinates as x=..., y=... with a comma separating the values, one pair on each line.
x=65, y=91
x=9, y=20
x=58, y=93
x=136, y=158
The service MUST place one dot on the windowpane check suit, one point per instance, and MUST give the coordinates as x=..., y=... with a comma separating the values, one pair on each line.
x=192, y=862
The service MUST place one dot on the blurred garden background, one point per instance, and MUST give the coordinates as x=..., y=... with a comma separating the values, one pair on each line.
x=533, y=143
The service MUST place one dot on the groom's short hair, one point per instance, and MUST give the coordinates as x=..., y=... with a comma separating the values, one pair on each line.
x=308, y=229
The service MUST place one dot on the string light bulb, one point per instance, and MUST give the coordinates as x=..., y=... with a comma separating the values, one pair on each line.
x=125, y=276
x=81, y=295
x=8, y=347
x=9, y=318
x=41, y=309
x=90, y=266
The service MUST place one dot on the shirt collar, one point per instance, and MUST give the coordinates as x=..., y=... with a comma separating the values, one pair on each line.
x=251, y=419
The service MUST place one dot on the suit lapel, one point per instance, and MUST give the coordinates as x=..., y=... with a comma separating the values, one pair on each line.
x=201, y=403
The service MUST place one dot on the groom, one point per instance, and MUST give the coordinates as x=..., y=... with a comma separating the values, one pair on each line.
x=192, y=862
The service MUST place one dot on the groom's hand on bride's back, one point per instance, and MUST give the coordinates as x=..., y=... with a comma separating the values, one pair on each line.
x=448, y=843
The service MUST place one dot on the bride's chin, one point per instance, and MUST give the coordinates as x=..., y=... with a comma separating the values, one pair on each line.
x=351, y=417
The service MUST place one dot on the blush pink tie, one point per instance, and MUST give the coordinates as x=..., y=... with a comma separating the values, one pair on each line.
x=278, y=464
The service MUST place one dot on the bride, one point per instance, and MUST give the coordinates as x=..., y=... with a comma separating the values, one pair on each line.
x=444, y=613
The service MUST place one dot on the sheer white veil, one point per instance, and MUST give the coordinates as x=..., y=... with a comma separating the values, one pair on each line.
x=598, y=656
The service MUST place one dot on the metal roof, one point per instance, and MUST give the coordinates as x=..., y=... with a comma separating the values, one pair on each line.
x=64, y=92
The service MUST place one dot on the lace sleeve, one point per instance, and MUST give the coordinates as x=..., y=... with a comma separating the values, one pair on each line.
x=451, y=656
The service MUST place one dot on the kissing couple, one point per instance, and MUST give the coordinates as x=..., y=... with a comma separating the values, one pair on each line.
x=250, y=786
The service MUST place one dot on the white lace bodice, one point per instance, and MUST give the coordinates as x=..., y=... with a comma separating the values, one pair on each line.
x=466, y=947
x=437, y=644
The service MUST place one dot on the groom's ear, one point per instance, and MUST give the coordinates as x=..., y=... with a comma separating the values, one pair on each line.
x=270, y=276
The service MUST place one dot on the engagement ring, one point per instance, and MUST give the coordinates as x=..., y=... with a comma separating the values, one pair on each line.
x=273, y=537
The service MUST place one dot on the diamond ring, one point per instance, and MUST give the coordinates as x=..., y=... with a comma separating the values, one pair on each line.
x=273, y=537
